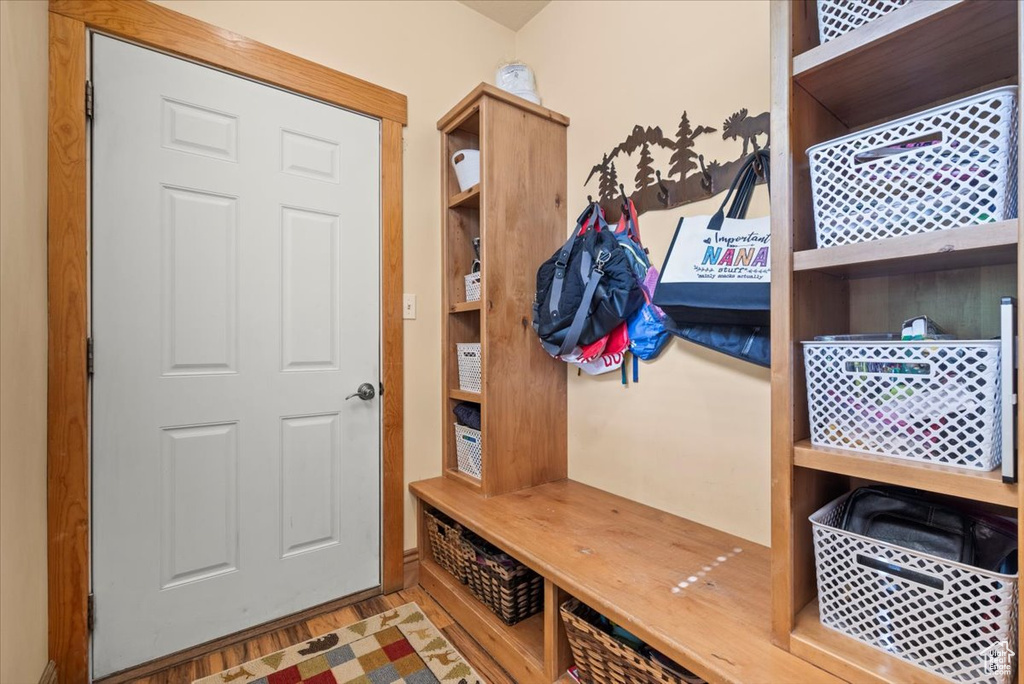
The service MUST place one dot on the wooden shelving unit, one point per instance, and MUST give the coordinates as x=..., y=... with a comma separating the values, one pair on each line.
x=920, y=55
x=518, y=212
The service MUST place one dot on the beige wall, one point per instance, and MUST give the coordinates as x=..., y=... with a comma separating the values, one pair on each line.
x=692, y=437
x=435, y=53
x=697, y=440
x=23, y=77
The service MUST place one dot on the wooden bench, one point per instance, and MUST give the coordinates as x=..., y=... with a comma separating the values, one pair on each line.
x=700, y=596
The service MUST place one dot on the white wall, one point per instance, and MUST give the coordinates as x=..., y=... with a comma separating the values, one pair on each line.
x=692, y=437
x=23, y=85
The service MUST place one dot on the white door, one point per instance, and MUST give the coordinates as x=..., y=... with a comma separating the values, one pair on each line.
x=235, y=276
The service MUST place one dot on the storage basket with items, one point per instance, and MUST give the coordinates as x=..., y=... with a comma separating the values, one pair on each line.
x=936, y=400
x=922, y=578
x=511, y=590
x=445, y=537
x=468, y=442
x=607, y=654
x=950, y=166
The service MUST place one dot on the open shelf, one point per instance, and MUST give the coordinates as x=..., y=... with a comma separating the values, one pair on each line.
x=852, y=660
x=464, y=479
x=469, y=198
x=986, y=244
x=462, y=395
x=462, y=307
x=912, y=57
x=519, y=648
x=980, y=486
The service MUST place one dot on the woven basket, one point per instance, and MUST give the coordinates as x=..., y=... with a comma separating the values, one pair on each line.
x=603, y=660
x=511, y=590
x=446, y=544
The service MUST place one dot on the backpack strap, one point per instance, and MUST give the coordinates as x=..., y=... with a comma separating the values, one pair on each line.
x=592, y=276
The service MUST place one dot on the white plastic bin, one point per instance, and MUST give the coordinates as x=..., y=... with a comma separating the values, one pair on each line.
x=951, y=166
x=937, y=402
x=467, y=168
x=467, y=450
x=836, y=17
x=948, y=618
x=469, y=366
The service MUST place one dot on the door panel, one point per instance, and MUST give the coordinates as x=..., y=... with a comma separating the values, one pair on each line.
x=235, y=275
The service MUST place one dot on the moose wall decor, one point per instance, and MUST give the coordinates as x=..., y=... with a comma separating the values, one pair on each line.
x=688, y=177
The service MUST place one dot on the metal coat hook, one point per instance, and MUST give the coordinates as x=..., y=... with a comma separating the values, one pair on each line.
x=662, y=189
x=707, y=182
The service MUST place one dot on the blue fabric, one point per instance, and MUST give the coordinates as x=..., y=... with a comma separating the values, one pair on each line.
x=647, y=334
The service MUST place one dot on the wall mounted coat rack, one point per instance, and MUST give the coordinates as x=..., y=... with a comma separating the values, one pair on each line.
x=688, y=178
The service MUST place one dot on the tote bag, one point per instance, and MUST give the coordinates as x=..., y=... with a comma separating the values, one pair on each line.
x=718, y=267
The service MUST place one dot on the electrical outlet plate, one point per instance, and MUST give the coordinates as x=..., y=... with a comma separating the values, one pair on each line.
x=409, y=306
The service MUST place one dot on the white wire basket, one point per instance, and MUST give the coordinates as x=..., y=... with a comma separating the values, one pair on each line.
x=836, y=17
x=473, y=287
x=469, y=366
x=951, y=166
x=949, y=618
x=937, y=402
x=467, y=450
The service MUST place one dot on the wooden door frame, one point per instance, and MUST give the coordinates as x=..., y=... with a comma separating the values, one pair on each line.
x=68, y=506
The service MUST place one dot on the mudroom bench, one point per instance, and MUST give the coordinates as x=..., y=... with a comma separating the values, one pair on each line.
x=698, y=595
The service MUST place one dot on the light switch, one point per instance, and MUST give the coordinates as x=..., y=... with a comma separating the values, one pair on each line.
x=409, y=306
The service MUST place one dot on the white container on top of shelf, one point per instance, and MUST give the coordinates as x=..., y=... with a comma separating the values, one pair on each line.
x=836, y=17
x=950, y=166
x=467, y=450
x=931, y=401
x=469, y=366
x=946, y=617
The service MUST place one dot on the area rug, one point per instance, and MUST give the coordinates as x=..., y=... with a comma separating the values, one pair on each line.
x=400, y=645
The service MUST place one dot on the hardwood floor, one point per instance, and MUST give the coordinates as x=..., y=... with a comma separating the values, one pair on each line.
x=245, y=651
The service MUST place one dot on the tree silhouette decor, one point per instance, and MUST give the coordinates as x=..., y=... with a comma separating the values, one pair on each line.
x=689, y=177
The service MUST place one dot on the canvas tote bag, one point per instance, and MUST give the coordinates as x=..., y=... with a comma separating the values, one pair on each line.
x=718, y=271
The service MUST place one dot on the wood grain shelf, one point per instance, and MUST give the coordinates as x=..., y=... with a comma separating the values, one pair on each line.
x=469, y=198
x=981, y=245
x=979, y=486
x=463, y=307
x=519, y=648
x=912, y=57
x=462, y=478
x=463, y=395
x=849, y=658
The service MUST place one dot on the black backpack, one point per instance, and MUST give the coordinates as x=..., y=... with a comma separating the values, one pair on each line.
x=585, y=289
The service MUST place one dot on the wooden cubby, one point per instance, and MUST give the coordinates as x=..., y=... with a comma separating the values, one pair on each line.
x=920, y=55
x=518, y=211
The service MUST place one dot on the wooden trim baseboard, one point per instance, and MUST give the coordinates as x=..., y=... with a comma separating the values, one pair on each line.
x=68, y=504
x=174, y=659
x=49, y=675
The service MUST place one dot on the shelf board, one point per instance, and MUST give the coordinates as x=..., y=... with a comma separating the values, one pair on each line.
x=464, y=479
x=519, y=648
x=469, y=198
x=463, y=395
x=986, y=244
x=912, y=57
x=849, y=658
x=462, y=307
x=978, y=486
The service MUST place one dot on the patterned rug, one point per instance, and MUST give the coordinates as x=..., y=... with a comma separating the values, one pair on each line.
x=401, y=645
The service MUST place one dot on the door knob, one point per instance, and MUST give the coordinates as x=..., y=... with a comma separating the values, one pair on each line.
x=365, y=392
